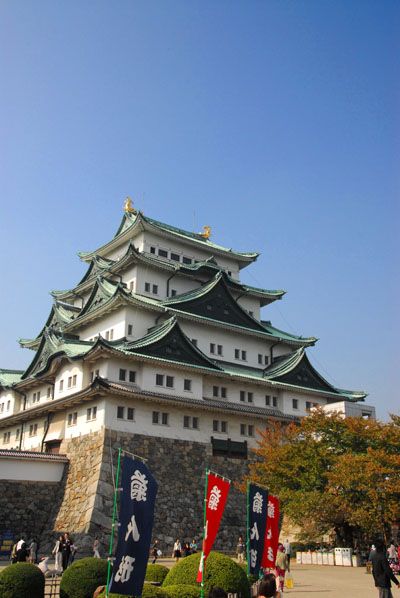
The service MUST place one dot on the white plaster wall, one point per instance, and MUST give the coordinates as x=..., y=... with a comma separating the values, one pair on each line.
x=250, y=304
x=83, y=426
x=114, y=365
x=118, y=253
x=114, y=320
x=287, y=405
x=207, y=333
x=142, y=423
x=30, y=470
x=33, y=442
x=43, y=389
x=350, y=409
x=148, y=381
x=67, y=370
x=10, y=402
x=153, y=276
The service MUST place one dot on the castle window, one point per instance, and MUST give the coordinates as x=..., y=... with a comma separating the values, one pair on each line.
x=194, y=341
x=6, y=437
x=132, y=376
x=260, y=359
x=175, y=257
x=187, y=384
x=48, y=392
x=130, y=329
x=61, y=385
x=152, y=249
x=17, y=434
x=220, y=426
x=162, y=253
x=186, y=260
x=2, y=408
x=246, y=396
x=94, y=374
x=69, y=381
x=147, y=287
x=122, y=375
x=223, y=392
x=33, y=429
x=72, y=418
x=237, y=354
x=91, y=414
x=266, y=359
x=212, y=348
x=120, y=412
x=190, y=422
x=295, y=403
x=130, y=414
x=220, y=391
x=219, y=349
x=155, y=289
x=159, y=380
x=169, y=382
x=160, y=418
x=173, y=293
x=246, y=430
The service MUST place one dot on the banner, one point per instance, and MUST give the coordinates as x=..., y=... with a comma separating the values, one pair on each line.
x=136, y=516
x=272, y=533
x=257, y=502
x=215, y=500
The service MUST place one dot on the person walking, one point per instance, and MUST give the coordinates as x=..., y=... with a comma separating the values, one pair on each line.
x=96, y=548
x=288, y=551
x=33, y=551
x=22, y=551
x=154, y=552
x=177, y=551
x=58, y=554
x=281, y=566
x=240, y=548
x=381, y=571
x=65, y=550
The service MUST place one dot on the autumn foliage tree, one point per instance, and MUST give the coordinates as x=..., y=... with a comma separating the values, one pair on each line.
x=334, y=473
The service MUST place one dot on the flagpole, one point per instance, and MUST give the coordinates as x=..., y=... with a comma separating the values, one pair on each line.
x=247, y=527
x=204, y=533
x=114, y=518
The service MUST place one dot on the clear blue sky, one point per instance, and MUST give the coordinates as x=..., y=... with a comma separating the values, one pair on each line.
x=276, y=122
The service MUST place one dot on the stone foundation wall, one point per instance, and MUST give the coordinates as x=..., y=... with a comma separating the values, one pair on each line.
x=27, y=507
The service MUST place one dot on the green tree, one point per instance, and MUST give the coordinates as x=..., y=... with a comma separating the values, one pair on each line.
x=334, y=473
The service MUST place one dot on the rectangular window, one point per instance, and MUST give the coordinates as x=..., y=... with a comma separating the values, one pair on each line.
x=130, y=329
x=107, y=335
x=243, y=429
x=132, y=376
x=194, y=341
x=122, y=375
x=186, y=421
x=131, y=285
x=223, y=392
x=72, y=418
x=169, y=381
x=91, y=413
x=266, y=359
x=17, y=434
x=212, y=348
x=176, y=257
x=195, y=423
x=267, y=400
x=260, y=359
x=48, y=392
x=130, y=414
x=33, y=429
x=237, y=354
x=187, y=384
x=111, y=334
x=164, y=419
x=160, y=418
x=155, y=417
x=162, y=253
x=69, y=381
x=94, y=375
x=159, y=380
x=152, y=249
x=155, y=289
x=61, y=385
x=74, y=379
x=120, y=412
x=215, y=391
x=244, y=355
x=275, y=401
x=242, y=395
x=219, y=349
x=215, y=425
x=173, y=293
x=186, y=260
x=249, y=397
x=224, y=427
x=295, y=403
x=147, y=287
x=250, y=430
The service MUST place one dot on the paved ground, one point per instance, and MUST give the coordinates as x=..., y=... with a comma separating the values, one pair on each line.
x=320, y=581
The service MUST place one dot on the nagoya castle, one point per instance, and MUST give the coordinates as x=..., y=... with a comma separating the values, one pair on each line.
x=159, y=349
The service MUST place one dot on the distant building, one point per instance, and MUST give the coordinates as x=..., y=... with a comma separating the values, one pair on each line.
x=161, y=349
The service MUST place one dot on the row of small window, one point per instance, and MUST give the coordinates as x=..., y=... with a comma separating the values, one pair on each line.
x=127, y=375
x=175, y=257
x=71, y=382
x=240, y=354
x=6, y=406
x=91, y=415
x=168, y=382
x=36, y=395
x=33, y=428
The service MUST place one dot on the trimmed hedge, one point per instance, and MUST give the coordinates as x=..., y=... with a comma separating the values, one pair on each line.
x=21, y=579
x=251, y=578
x=83, y=577
x=149, y=591
x=220, y=571
x=156, y=573
x=182, y=591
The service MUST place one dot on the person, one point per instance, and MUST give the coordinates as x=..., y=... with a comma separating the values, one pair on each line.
x=177, y=551
x=22, y=550
x=281, y=566
x=392, y=553
x=217, y=592
x=96, y=547
x=240, y=549
x=33, y=551
x=288, y=551
x=267, y=587
x=154, y=552
x=58, y=554
x=66, y=550
x=193, y=546
x=382, y=572
x=186, y=549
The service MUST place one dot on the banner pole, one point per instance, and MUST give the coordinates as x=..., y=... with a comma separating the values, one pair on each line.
x=114, y=518
x=247, y=527
x=204, y=532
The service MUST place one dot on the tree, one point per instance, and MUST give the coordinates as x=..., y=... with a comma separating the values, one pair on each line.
x=334, y=473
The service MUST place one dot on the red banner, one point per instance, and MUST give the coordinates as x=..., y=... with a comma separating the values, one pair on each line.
x=272, y=533
x=217, y=493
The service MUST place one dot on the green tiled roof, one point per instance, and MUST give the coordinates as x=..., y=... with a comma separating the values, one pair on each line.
x=281, y=334
x=9, y=377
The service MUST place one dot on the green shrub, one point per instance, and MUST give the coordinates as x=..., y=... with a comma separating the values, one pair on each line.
x=21, y=579
x=156, y=573
x=220, y=571
x=251, y=578
x=149, y=591
x=82, y=578
x=182, y=591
